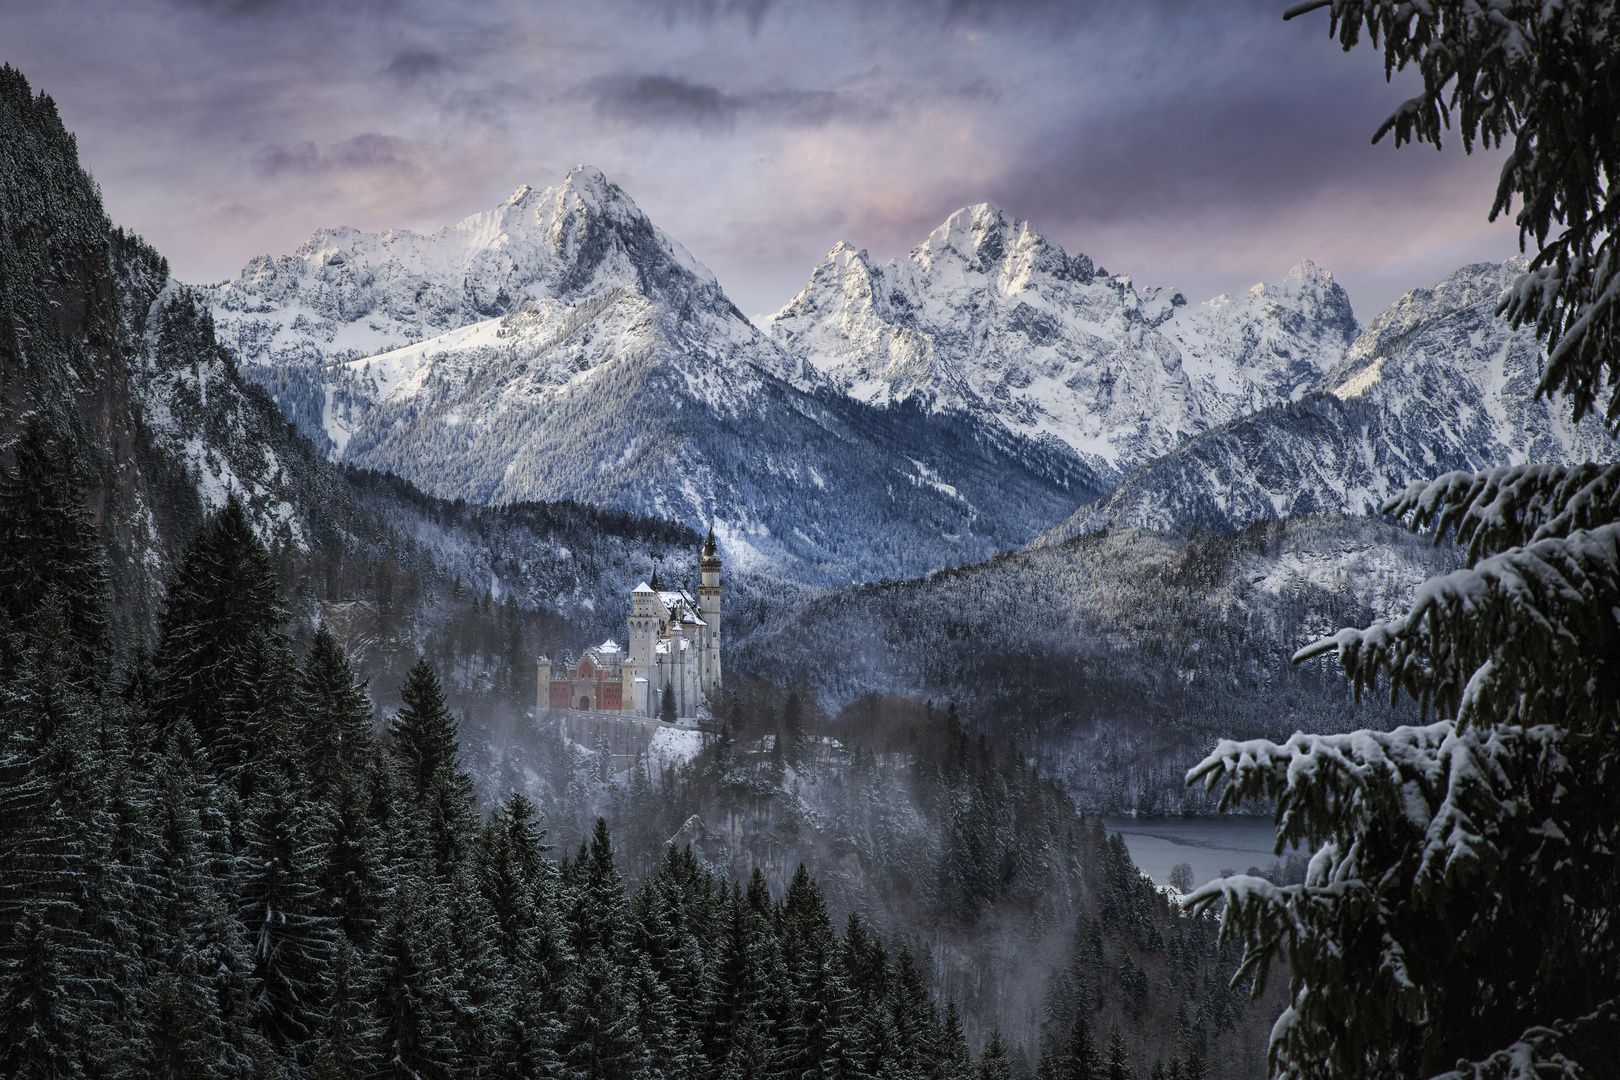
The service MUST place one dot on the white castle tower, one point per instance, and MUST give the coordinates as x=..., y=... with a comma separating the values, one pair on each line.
x=674, y=641
x=709, y=609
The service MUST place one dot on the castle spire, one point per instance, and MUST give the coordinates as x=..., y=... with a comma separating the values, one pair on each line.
x=708, y=545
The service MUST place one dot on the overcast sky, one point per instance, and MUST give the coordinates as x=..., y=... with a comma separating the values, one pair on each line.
x=1205, y=145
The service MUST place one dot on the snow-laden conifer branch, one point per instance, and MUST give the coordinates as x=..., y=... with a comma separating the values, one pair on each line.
x=1549, y=1053
x=1478, y=643
x=1419, y=833
x=1539, y=76
x=1512, y=505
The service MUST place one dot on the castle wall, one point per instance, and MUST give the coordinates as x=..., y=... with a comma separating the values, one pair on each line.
x=627, y=737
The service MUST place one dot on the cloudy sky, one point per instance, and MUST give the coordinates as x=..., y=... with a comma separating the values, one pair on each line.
x=1196, y=143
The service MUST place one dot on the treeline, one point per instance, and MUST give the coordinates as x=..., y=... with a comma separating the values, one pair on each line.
x=563, y=515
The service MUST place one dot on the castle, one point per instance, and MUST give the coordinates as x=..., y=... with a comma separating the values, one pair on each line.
x=674, y=641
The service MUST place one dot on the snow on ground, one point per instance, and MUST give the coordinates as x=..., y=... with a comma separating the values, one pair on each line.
x=672, y=746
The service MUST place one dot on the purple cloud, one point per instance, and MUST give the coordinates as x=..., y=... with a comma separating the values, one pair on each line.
x=1206, y=145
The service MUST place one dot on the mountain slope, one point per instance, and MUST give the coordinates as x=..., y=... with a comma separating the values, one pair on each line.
x=1437, y=382
x=1114, y=660
x=615, y=371
x=989, y=318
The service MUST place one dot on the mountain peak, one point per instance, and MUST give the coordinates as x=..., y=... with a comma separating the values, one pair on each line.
x=991, y=241
x=592, y=186
x=1306, y=270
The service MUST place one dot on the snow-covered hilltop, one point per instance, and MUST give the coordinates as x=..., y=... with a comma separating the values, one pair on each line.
x=1437, y=382
x=561, y=346
x=989, y=318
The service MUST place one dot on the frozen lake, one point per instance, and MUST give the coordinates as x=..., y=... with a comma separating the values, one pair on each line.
x=1209, y=844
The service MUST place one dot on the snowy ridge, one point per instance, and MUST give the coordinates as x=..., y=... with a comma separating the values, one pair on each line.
x=561, y=347
x=1437, y=382
x=989, y=318
x=347, y=293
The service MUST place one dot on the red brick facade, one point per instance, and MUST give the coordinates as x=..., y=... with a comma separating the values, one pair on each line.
x=586, y=686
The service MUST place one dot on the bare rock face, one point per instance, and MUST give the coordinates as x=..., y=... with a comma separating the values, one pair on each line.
x=990, y=319
x=562, y=347
x=1437, y=382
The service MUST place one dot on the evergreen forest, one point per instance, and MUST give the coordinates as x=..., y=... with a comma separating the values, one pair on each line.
x=216, y=861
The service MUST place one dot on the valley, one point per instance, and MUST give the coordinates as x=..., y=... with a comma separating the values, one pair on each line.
x=1010, y=542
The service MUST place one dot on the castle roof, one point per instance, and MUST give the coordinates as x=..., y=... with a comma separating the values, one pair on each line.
x=642, y=588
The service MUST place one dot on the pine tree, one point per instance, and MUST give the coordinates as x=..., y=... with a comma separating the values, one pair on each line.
x=666, y=704
x=599, y=1037
x=520, y=676
x=1116, y=1067
x=521, y=889
x=48, y=792
x=656, y=1022
x=1524, y=74
x=200, y=1015
x=1464, y=876
x=40, y=1030
x=334, y=729
x=1079, y=1052
x=666, y=920
x=810, y=1039
x=353, y=876
x=476, y=974
x=412, y=1027
x=280, y=908
x=218, y=627
x=48, y=547
x=426, y=746
x=870, y=1032
x=956, y=1060
x=735, y=1039
x=508, y=874
x=424, y=732
x=174, y=1043
x=916, y=1020
x=344, y=1044
x=993, y=1063
x=259, y=730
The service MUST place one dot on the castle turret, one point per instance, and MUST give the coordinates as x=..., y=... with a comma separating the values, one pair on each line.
x=646, y=612
x=709, y=609
x=627, y=680
x=542, y=689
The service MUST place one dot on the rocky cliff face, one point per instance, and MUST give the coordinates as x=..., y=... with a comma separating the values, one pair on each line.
x=990, y=319
x=561, y=346
x=1437, y=382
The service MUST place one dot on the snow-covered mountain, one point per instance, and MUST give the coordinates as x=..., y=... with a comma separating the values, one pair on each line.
x=1437, y=382
x=990, y=319
x=347, y=293
x=561, y=346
